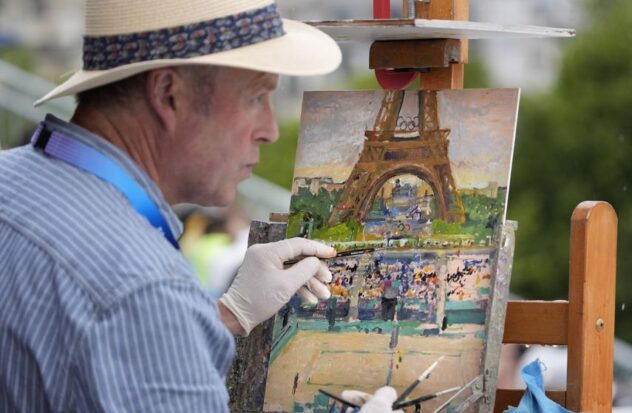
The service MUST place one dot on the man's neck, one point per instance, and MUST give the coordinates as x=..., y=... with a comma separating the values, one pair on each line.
x=128, y=132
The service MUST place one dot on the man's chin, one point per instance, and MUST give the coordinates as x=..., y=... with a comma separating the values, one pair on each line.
x=219, y=197
x=223, y=198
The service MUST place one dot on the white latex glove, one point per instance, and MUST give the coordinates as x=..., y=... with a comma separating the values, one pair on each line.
x=262, y=286
x=380, y=402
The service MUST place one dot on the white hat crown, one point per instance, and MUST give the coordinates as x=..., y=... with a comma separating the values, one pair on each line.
x=127, y=37
x=186, y=34
x=112, y=17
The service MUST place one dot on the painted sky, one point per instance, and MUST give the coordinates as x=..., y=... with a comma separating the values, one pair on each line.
x=482, y=123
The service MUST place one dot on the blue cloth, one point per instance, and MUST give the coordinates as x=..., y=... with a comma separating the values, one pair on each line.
x=98, y=311
x=534, y=399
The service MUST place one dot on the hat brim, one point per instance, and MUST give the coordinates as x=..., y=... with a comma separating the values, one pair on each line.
x=302, y=51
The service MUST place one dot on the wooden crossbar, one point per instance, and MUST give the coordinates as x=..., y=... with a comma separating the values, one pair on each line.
x=536, y=322
x=505, y=397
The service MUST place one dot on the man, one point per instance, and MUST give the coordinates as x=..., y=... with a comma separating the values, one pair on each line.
x=98, y=309
x=389, y=298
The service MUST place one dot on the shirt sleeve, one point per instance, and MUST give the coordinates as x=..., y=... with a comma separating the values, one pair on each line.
x=161, y=349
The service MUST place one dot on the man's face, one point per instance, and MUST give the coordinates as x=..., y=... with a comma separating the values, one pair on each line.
x=220, y=147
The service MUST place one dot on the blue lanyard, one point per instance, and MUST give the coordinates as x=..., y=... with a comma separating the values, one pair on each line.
x=88, y=159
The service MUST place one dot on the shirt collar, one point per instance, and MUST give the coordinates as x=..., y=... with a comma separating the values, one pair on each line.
x=114, y=153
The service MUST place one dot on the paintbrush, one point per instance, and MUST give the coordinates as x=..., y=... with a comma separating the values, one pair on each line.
x=349, y=253
x=339, y=399
x=414, y=384
x=424, y=398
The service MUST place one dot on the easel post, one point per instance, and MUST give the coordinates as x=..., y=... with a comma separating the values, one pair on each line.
x=450, y=77
x=591, y=298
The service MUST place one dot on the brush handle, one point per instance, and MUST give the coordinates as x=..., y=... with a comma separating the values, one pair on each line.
x=414, y=384
x=406, y=392
x=397, y=406
x=339, y=255
x=338, y=398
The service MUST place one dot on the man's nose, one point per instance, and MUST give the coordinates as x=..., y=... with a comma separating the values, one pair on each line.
x=269, y=130
x=273, y=132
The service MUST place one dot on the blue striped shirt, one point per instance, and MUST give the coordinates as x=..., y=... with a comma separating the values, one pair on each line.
x=98, y=312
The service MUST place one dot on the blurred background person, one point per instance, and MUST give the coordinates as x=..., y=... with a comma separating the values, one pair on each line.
x=215, y=242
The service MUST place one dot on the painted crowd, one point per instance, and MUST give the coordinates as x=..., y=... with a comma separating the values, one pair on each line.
x=410, y=288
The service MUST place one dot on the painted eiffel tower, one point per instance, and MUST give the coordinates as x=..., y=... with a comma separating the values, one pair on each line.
x=398, y=146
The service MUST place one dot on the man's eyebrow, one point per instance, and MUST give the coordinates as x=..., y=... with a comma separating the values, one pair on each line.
x=265, y=81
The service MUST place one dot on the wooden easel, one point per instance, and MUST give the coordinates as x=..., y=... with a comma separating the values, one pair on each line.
x=584, y=323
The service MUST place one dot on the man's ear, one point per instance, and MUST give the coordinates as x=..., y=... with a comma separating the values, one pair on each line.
x=165, y=92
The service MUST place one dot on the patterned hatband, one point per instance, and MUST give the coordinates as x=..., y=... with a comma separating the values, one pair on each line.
x=191, y=40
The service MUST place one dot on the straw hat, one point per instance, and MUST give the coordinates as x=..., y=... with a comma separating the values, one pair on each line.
x=127, y=37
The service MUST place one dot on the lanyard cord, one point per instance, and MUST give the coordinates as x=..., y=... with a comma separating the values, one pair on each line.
x=88, y=159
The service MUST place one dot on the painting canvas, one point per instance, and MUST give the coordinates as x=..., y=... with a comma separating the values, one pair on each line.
x=414, y=184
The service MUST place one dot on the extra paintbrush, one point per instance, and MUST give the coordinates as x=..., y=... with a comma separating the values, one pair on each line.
x=339, y=399
x=414, y=384
x=424, y=398
x=349, y=253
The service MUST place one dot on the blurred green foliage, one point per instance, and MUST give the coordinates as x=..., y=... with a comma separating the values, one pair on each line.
x=18, y=56
x=13, y=128
x=573, y=144
x=277, y=160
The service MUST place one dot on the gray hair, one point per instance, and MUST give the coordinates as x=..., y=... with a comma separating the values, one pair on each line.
x=200, y=79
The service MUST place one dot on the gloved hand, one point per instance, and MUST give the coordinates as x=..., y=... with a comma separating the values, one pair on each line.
x=380, y=402
x=262, y=286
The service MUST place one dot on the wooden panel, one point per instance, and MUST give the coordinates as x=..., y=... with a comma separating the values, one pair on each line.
x=536, y=322
x=506, y=398
x=591, y=307
x=404, y=54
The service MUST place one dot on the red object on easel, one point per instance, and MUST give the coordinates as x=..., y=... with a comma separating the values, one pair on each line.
x=388, y=78
x=381, y=9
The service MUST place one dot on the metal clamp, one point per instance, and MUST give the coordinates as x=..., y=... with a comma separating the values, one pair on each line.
x=477, y=392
